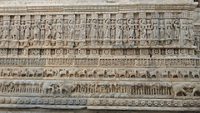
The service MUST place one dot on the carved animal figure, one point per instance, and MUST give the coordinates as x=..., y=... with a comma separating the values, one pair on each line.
x=5, y=72
x=179, y=88
x=24, y=72
x=90, y=73
x=31, y=73
x=48, y=88
x=131, y=74
x=196, y=90
x=82, y=73
x=110, y=73
x=15, y=72
x=72, y=72
x=65, y=89
x=38, y=73
x=121, y=73
x=62, y=73
x=49, y=73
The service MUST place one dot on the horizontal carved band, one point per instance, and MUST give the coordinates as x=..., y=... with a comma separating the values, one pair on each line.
x=101, y=62
x=99, y=73
x=100, y=89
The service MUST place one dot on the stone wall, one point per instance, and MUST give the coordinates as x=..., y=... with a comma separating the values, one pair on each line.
x=114, y=55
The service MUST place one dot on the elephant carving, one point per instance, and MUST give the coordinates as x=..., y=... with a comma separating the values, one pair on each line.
x=179, y=89
x=196, y=90
x=65, y=89
x=110, y=73
x=48, y=88
x=122, y=74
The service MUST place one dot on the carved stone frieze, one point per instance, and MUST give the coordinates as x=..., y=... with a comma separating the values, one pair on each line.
x=100, y=54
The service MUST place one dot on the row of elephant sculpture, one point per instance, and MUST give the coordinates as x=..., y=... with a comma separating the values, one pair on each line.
x=21, y=87
x=96, y=73
x=100, y=89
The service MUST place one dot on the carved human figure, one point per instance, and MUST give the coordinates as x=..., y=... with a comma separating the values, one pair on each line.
x=59, y=29
x=15, y=28
x=27, y=34
x=48, y=33
x=88, y=29
x=94, y=34
x=22, y=30
x=119, y=35
x=54, y=25
x=71, y=38
x=101, y=32
x=149, y=29
x=176, y=27
x=42, y=29
x=6, y=27
x=6, y=32
x=106, y=40
x=156, y=28
x=162, y=29
x=143, y=33
x=36, y=33
x=168, y=28
x=82, y=35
